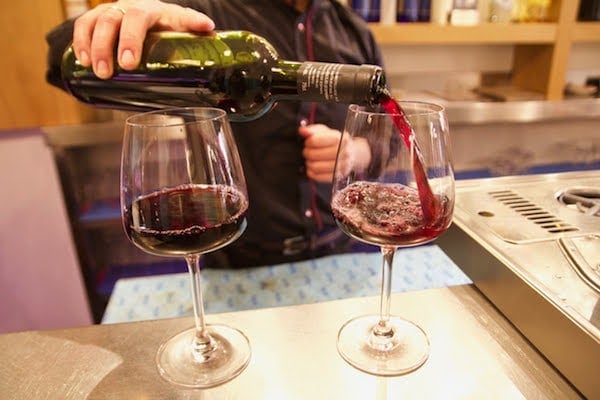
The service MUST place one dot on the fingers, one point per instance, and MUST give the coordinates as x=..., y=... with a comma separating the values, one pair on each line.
x=83, y=30
x=181, y=19
x=319, y=136
x=320, y=171
x=320, y=151
x=94, y=35
x=96, y=31
x=321, y=142
x=104, y=36
x=137, y=21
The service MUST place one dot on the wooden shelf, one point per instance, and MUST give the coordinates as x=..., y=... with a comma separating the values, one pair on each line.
x=428, y=33
x=586, y=32
x=541, y=50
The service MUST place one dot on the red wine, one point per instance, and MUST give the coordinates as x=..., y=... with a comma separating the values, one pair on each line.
x=388, y=214
x=188, y=219
x=429, y=202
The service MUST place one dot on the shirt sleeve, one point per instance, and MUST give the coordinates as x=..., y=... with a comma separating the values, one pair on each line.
x=58, y=40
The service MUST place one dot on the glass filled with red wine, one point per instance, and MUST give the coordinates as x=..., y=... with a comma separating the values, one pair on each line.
x=393, y=187
x=183, y=194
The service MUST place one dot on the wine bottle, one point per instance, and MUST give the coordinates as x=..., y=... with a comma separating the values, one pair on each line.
x=237, y=71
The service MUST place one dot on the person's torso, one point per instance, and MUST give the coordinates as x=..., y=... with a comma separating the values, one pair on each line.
x=282, y=202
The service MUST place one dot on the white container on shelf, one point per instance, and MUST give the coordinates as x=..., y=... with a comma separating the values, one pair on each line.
x=440, y=11
x=388, y=12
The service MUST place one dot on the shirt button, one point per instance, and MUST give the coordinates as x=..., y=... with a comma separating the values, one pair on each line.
x=301, y=27
x=303, y=122
x=308, y=213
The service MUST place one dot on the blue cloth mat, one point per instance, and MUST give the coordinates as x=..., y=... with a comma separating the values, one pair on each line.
x=322, y=279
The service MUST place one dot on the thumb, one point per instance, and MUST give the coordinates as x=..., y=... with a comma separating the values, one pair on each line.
x=305, y=131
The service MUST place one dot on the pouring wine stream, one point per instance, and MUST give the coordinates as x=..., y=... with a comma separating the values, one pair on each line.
x=429, y=202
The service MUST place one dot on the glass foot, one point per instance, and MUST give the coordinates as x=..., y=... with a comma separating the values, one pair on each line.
x=397, y=352
x=181, y=365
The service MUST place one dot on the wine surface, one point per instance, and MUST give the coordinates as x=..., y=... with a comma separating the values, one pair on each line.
x=388, y=214
x=185, y=220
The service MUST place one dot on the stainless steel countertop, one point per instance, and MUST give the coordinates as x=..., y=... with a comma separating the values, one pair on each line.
x=475, y=354
x=473, y=112
x=517, y=242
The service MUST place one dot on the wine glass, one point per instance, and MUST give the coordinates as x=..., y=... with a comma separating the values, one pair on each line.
x=183, y=193
x=393, y=187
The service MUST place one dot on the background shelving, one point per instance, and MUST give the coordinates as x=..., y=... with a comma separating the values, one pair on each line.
x=422, y=33
x=541, y=57
x=541, y=50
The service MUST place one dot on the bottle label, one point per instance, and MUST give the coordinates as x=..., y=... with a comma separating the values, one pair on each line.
x=325, y=81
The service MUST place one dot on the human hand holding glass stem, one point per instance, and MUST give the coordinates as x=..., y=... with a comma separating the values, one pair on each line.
x=183, y=193
x=381, y=204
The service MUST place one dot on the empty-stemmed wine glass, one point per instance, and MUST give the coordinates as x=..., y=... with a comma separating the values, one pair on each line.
x=393, y=187
x=183, y=193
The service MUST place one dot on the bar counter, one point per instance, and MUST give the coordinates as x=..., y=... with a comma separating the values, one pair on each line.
x=475, y=354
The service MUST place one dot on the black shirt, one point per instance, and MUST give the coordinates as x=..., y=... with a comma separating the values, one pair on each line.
x=283, y=203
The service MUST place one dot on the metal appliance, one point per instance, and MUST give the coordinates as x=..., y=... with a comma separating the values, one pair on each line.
x=531, y=244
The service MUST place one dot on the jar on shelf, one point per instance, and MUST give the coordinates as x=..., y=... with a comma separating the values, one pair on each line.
x=501, y=11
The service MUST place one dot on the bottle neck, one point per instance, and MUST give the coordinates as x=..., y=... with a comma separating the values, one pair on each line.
x=284, y=80
x=327, y=82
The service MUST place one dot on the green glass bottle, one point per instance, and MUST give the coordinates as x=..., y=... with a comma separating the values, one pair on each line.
x=237, y=71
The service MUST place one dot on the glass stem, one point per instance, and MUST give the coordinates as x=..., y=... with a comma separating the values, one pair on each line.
x=203, y=343
x=383, y=328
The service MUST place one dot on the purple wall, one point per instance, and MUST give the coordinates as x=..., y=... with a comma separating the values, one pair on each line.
x=40, y=282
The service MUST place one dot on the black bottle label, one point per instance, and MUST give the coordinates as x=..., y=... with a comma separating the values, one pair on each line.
x=329, y=82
